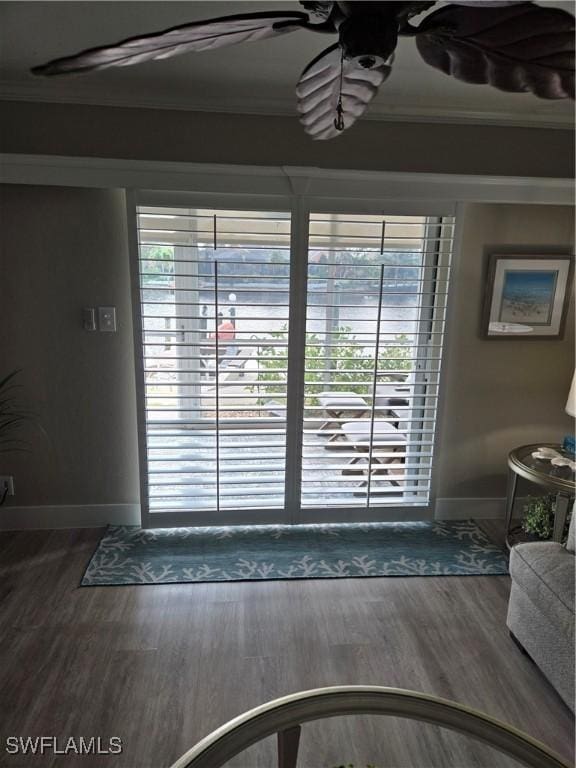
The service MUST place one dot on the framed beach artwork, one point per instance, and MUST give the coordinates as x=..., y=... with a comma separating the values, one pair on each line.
x=527, y=297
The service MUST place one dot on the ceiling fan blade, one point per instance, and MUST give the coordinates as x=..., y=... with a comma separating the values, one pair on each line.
x=318, y=91
x=199, y=36
x=520, y=48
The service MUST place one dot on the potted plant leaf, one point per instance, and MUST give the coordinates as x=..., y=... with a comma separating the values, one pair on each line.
x=538, y=519
x=13, y=418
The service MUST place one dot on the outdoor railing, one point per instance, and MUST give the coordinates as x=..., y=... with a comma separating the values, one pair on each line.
x=284, y=717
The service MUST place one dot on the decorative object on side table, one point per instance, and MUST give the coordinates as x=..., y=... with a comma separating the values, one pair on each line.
x=533, y=462
x=527, y=296
x=569, y=444
x=556, y=458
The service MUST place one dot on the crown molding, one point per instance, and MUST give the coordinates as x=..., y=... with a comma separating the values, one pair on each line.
x=325, y=186
x=32, y=92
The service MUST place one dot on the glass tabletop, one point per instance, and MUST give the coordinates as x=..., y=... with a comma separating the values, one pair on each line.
x=545, y=463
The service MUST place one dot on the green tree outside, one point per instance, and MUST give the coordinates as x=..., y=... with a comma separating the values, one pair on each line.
x=161, y=266
x=348, y=363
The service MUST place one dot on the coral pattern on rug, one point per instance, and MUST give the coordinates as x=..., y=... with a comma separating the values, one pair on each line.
x=132, y=555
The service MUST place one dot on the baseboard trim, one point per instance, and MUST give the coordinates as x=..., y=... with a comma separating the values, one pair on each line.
x=13, y=518
x=463, y=509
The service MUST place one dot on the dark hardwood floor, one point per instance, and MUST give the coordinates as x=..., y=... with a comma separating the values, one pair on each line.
x=161, y=666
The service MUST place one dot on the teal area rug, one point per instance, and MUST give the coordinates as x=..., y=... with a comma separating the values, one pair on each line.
x=131, y=555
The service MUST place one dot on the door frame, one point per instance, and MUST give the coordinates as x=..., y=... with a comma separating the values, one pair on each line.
x=300, y=207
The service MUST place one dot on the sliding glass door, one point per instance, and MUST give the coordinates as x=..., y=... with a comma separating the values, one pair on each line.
x=214, y=289
x=283, y=383
x=374, y=322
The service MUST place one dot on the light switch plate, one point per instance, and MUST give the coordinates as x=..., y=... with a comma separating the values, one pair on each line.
x=89, y=319
x=107, y=318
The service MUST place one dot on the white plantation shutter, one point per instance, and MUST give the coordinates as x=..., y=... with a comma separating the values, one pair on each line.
x=377, y=289
x=212, y=439
x=242, y=325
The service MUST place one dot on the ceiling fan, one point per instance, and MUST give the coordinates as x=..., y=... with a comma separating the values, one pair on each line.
x=511, y=45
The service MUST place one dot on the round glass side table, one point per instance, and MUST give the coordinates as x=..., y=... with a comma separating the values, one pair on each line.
x=559, y=479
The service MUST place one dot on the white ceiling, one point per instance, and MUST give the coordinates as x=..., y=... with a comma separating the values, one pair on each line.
x=253, y=78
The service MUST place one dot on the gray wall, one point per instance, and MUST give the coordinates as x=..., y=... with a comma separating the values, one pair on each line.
x=500, y=394
x=148, y=134
x=64, y=249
